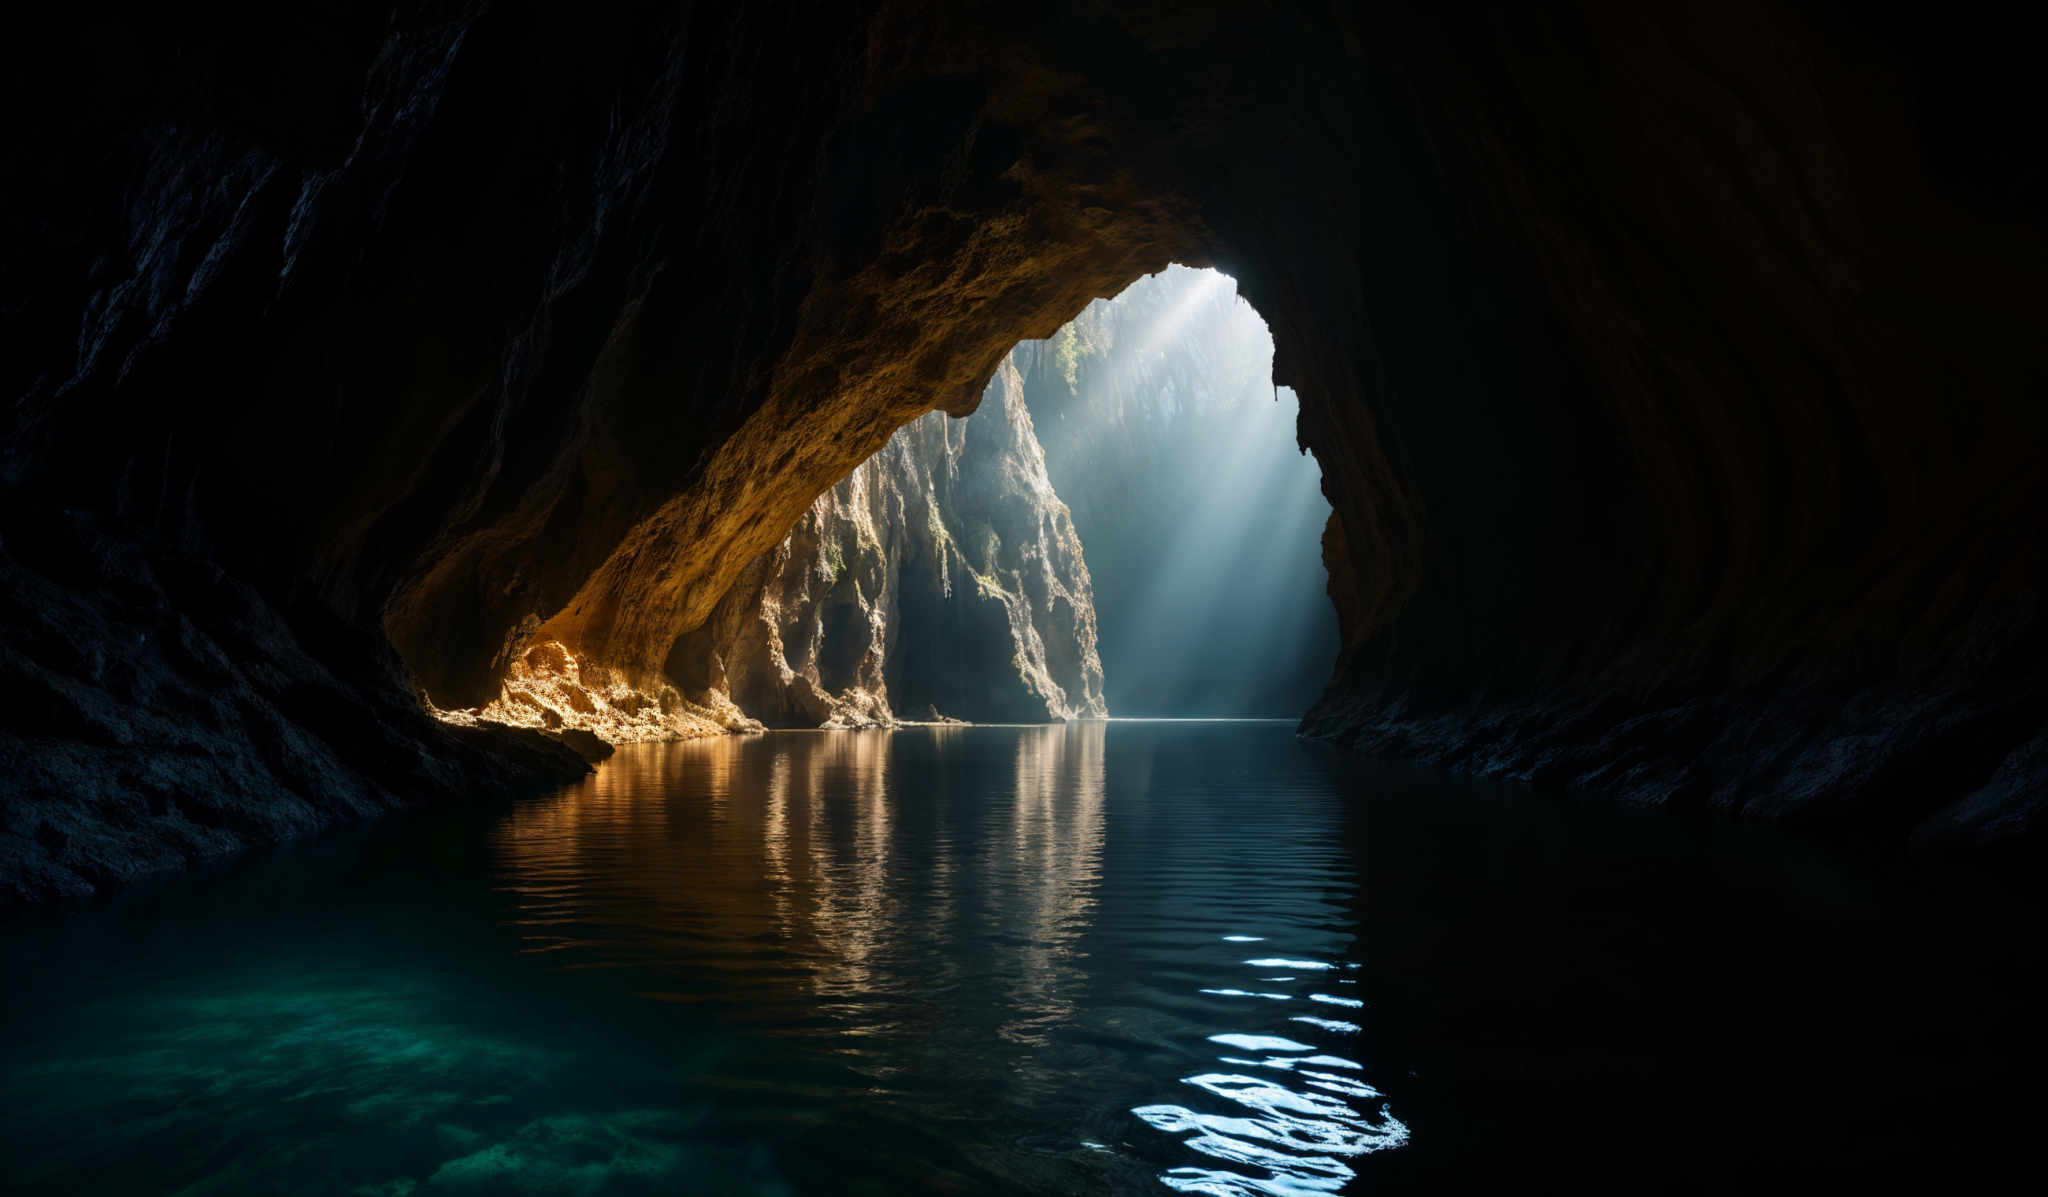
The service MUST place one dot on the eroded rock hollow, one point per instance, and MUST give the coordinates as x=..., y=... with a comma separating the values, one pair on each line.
x=1673, y=372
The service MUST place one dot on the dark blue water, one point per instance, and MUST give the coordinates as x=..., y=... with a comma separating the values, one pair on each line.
x=1135, y=957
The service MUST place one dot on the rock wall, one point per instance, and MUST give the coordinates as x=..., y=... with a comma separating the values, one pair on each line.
x=161, y=713
x=942, y=578
x=1164, y=433
x=550, y=689
x=1672, y=370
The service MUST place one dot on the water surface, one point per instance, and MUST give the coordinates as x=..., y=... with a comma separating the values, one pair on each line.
x=1133, y=957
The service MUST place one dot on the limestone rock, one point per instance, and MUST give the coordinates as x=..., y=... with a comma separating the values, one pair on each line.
x=550, y=688
x=944, y=572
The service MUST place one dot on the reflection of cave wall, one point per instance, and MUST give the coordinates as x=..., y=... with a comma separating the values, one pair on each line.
x=943, y=574
x=1672, y=369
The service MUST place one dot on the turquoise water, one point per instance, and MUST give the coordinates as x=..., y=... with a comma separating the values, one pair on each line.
x=1133, y=957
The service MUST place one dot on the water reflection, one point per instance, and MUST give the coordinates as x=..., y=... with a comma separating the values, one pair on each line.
x=1056, y=843
x=788, y=844
x=1020, y=941
x=1001, y=960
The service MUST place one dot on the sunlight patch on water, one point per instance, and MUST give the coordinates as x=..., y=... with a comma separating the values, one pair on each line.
x=1288, y=1138
x=1300, y=1140
x=1260, y=1043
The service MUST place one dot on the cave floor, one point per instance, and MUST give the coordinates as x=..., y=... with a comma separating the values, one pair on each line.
x=1082, y=958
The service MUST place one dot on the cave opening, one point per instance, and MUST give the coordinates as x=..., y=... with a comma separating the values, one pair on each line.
x=842, y=638
x=1200, y=513
x=1126, y=525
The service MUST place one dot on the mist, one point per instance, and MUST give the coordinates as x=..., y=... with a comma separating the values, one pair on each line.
x=1200, y=517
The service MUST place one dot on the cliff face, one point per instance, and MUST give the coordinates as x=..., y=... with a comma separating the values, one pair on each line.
x=1164, y=433
x=943, y=577
x=1673, y=370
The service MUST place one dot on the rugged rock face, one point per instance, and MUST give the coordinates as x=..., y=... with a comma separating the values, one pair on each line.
x=161, y=713
x=1672, y=370
x=941, y=579
x=944, y=570
x=1166, y=437
x=549, y=688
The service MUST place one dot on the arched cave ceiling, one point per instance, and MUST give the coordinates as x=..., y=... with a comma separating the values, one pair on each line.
x=1676, y=362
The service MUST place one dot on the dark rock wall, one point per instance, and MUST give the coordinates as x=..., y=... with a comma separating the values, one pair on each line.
x=159, y=713
x=1674, y=363
x=1723, y=494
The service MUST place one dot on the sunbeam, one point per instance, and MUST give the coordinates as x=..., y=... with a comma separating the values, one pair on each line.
x=1201, y=519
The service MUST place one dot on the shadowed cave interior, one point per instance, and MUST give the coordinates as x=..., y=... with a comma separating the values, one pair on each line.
x=411, y=404
x=407, y=332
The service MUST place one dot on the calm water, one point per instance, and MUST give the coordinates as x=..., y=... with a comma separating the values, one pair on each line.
x=1135, y=957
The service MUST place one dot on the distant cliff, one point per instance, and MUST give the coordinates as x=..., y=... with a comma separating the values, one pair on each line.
x=942, y=576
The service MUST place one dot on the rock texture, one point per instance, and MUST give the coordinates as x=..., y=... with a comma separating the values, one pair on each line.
x=1658, y=359
x=943, y=570
x=161, y=713
x=1165, y=435
x=942, y=578
x=549, y=688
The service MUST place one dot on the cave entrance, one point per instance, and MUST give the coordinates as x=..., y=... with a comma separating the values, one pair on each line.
x=1200, y=516
x=1126, y=525
x=843, y=634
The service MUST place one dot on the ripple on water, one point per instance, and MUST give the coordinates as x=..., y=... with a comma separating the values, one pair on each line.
x=1290, y=1127
x=883, y=962
x=1295, y=1140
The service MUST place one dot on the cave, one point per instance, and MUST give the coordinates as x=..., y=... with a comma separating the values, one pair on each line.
x=445, y=440
x=839, y=656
